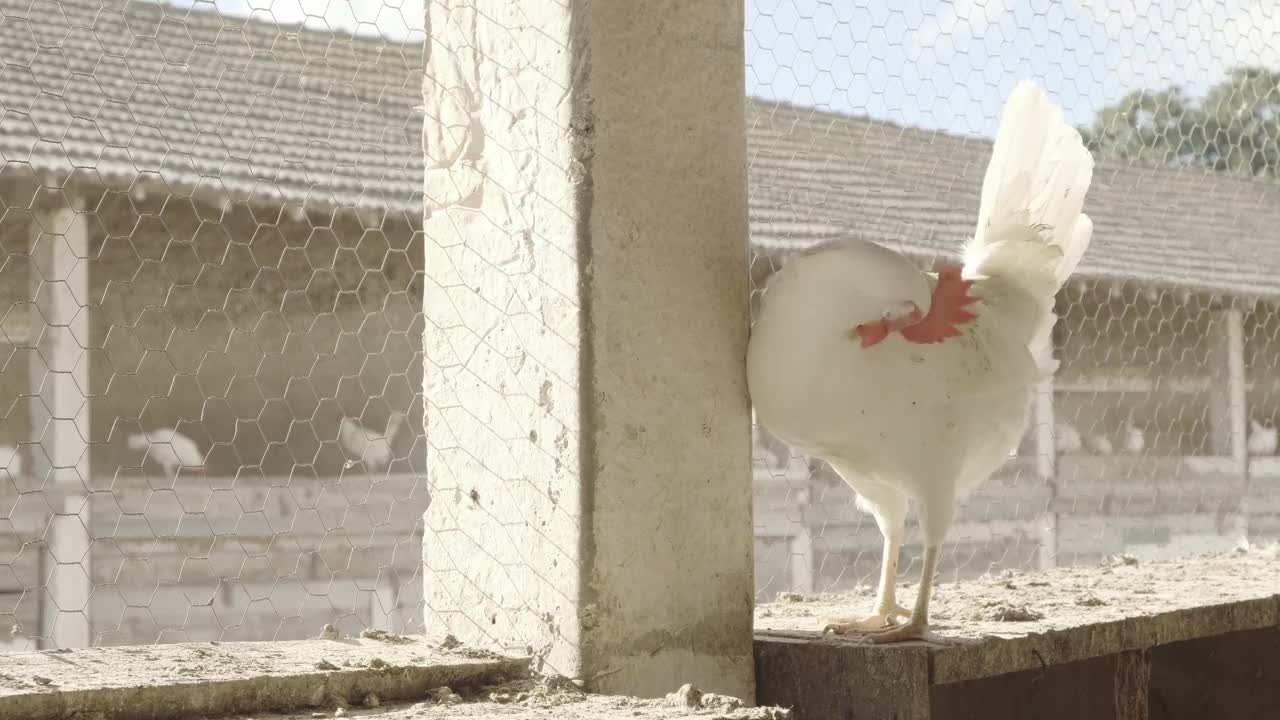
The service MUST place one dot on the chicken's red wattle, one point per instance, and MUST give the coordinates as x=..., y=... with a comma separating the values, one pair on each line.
x=948, y=310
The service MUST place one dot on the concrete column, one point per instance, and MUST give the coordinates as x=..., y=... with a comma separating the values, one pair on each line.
x=1238, y=389
x=59, y=405
x=1228, y=406
x=1228, y=414
x=586, y=302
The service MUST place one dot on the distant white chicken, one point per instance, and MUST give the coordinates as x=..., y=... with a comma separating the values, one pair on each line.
x=1098, y=444
x=169, y=449
x=916, y=385
x=1135, y=441
x=10, y=460
x=362, y=444
x=1262, y=438
x=1067, y=439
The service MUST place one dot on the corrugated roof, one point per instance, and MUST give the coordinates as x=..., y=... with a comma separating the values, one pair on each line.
x=817, y=176
x=203, y=101
x=281, y=113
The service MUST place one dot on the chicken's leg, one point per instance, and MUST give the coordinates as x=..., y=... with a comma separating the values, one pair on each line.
x=889, y=507
x=887, y=608
x=917, y=628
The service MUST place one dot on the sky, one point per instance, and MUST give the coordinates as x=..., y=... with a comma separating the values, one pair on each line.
x=938, y=64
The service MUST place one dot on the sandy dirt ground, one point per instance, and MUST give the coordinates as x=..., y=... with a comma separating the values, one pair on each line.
x=1008, y=605
x=1014, y=604
x=196, y=663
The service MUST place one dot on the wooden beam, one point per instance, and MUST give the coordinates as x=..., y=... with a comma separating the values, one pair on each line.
x=821, y=676
x=1132, y=685
x=1201, y=639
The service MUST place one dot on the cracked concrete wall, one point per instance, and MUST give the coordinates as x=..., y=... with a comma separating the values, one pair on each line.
x=586, y=303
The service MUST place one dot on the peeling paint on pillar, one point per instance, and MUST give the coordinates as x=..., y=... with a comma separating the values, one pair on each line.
x=586, y=304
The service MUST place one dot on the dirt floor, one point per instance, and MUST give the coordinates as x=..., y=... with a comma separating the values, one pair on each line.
x=1008, y=605
x=543, y=698
x=1017, y=604
x=191, y=664
x=354, y=676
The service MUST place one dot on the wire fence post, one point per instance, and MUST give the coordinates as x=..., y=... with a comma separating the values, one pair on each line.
x=586, y=323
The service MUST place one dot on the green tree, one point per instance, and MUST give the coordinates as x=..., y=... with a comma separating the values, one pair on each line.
x=1234, y=128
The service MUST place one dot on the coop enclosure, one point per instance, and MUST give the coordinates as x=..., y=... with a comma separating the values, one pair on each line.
x=213, y=223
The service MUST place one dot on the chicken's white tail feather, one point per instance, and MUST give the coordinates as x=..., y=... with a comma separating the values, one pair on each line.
x=1031, y=232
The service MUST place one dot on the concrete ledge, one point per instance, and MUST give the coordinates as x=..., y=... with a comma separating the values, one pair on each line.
x=159, y=682
x=1094, y=627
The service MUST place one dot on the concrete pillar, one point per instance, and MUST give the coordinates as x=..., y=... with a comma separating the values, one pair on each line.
x=1228, y=406
x=1228, y=414
x=586, y=302
x=59, y=405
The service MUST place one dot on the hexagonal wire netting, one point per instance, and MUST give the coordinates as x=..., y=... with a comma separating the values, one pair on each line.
x=211, y=255
x=1158, y=437
x=212, y=323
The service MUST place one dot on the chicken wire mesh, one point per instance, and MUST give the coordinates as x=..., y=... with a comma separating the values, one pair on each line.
x=211, y=236
x=210, y=245
x=1157, y=438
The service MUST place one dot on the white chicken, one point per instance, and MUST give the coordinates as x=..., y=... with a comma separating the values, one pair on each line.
x=169, y=449
x=1262, y=438
x=916, y=385
x=1098, y=444
x=1135, y=441
x=1067, y=439
x=10, y=460
x=362, y=444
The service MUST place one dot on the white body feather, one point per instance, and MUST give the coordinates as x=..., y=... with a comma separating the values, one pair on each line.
x=169, y=449
x=929, y=421
x=1262, y=439
x=1067, y=438
x=1135, y=441
x=1098, y=444
x=367, y=446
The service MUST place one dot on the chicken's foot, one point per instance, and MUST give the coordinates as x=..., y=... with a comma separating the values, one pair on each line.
x=854, y=625
x=917, y=628
x=887, y=609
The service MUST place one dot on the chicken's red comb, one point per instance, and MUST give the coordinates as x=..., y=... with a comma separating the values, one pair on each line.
x=947, y=309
